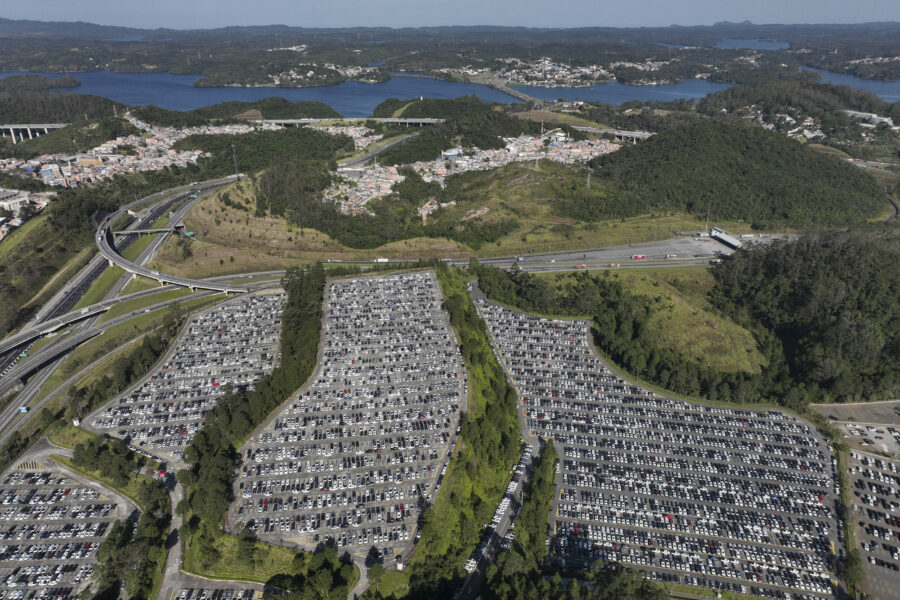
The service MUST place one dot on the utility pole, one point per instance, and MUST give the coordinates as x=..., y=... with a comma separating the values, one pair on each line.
x=707, y=218
x=234, y=156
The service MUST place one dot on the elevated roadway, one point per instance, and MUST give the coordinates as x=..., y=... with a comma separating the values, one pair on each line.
x=107, y=249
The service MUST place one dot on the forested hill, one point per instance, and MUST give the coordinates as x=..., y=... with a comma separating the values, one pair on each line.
x=832, y=302
x=40, y=107
x=739, y=171
x=820, y=100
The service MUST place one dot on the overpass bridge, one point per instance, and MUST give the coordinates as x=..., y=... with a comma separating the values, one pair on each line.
x=148, y=231
x=32, y=130
x=105, y=244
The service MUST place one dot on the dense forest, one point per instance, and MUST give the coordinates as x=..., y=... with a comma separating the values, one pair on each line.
x=823, y=309
x=39, y=107
x=831, y=300
x=35, y=83
x=735, y=172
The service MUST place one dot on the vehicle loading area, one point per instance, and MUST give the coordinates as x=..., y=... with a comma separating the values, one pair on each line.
x=234, y=343
x=354, y=457
x=728, y=499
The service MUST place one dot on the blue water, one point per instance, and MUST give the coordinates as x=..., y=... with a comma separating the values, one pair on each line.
x=736, y=44
x=889, y=91
x=354, y=99
x=350, y=98
x=614, y=92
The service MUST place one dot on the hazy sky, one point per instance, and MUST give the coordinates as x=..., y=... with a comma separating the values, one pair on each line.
x=399, y=13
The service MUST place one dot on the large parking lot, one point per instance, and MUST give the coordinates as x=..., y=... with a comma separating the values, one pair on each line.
x=353, y=458
x=876, y=503
x=51, y=527
x=233, y=343
x=729, y=499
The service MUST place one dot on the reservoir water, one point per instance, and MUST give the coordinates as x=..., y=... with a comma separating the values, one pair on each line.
x=741, y=44
x=350, y=98
x=889, y=91
x=354, y=99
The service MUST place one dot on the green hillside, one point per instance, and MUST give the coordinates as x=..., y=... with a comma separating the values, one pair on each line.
x=736, y=172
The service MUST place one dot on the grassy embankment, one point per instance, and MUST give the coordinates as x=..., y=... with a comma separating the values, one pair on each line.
x=231, y=240
x=685, y=321
x=551, y=118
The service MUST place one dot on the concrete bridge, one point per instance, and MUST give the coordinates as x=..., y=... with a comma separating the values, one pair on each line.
x=18, y=131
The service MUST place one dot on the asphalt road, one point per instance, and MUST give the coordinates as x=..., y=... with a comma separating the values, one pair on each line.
x=370, y=155
x=56, y=348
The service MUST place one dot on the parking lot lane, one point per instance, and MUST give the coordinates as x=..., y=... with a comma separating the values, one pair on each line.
x=876, y=516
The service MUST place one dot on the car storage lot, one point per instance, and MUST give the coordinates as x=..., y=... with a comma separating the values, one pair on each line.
x=51, y=527
x=876, y=504
x=234, y=343
x=715, y=497
x=356, y=454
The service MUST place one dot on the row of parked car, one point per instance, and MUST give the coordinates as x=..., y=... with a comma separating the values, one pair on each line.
x=667, y=485
x=350, y=458
x=875, y=494
x=234, y=343
x=51, y=529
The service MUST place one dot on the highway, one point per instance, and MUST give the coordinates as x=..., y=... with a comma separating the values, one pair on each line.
x=106, y=246
x=66, y=343
x=349, y=164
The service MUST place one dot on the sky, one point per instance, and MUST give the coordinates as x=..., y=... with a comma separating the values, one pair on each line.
x=188, y=14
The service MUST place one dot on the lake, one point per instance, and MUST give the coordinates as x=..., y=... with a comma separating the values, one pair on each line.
x=350, y=98
x=889, y=91
x=354, y=99
x=614, y=92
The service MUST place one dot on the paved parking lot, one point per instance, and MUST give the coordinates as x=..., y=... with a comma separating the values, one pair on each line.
x=885, y=438
x=233, y=343
x=708, y=496
x=887, y=412
x=353, y=458
x=51, y=527
x=876, y=504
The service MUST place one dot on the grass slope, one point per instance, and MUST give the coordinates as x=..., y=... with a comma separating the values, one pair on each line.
x=684, y=320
